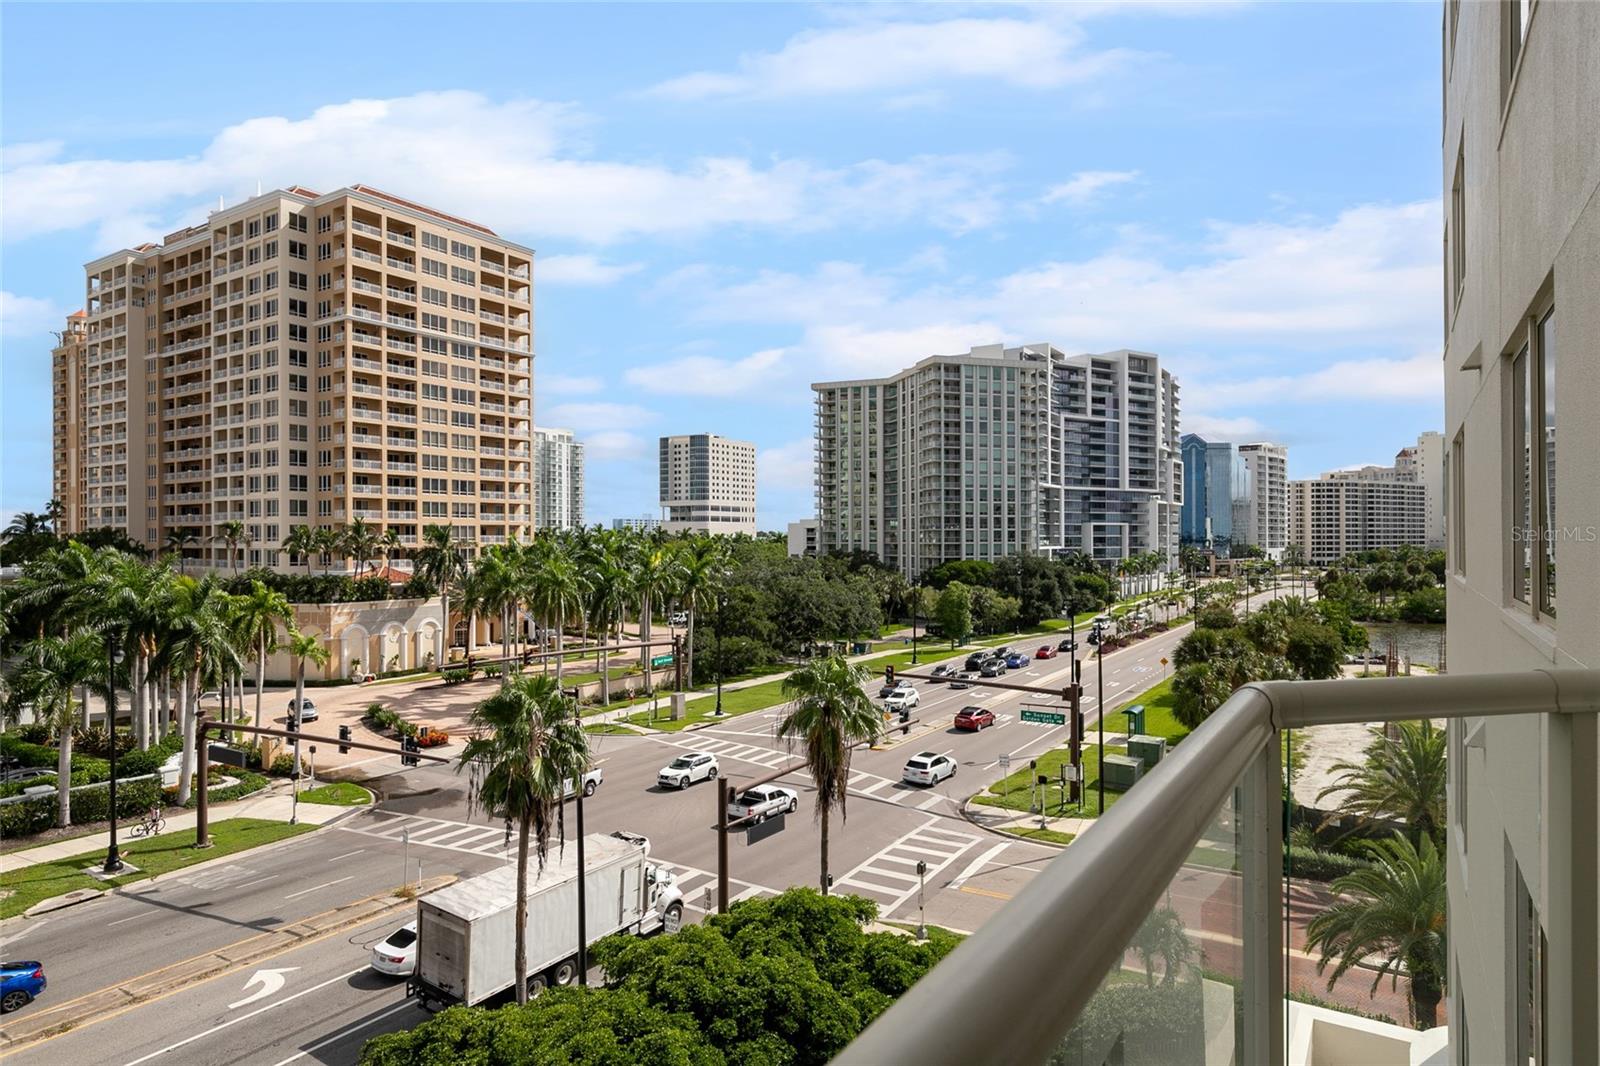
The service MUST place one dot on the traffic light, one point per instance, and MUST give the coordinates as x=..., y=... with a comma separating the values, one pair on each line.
x=888, y=675
x=409, y=744
x=293, y=724
x=344, y=734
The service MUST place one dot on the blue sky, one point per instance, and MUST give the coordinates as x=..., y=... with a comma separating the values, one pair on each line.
x=730, y=202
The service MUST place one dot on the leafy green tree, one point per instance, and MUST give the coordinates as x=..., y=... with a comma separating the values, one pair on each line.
x=1394, y=909
x=51, y=668
x=1401, y=777
x=1162, y=937
x=1316, y=652
x=441, y=563
x=1197, y=690
x=1425, y=605
x=954, y=612
x=970, y=572
x=828, y=714
x=259, y=616
x=528, y=743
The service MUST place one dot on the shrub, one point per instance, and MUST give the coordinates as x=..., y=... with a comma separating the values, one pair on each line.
x=45, y=756
x=493, y=669
x=457, y=674
x=1317, y=865
x=149, y=761
x=282, y=766
x=247, y=783
x=34, y=733
x=429, y=737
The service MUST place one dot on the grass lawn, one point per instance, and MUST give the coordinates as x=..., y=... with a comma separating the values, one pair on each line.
x=1159, y=720
x=1048, y=836
x=734, y=702
x=601, y=729
x=164, y=854
x=337, y=794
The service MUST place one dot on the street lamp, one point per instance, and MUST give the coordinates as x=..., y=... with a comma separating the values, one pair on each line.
x=1100, y=706
x=722, y=602
x=113, y=657
x=916, y=595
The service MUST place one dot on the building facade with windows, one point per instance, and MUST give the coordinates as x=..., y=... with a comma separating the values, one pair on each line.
x=1350, y=511
x=1522, y=404
x=642, y=524
x=803, y=537
x=1216, y=494
x=1001, y=451
x=306, y=359
x=708, y=484
x=1267, y=510
x=1423, y=462
x=557, y=479
x=72, y=402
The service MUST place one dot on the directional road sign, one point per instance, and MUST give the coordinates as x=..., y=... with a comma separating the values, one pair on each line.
x=661, y=660
x=1043, y=717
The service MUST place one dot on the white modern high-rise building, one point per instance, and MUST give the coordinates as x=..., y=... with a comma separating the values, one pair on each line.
x=1423, y=463
x=557, y=479
x=708, y=484
x=642, y=524
x=1001, y=451
x=1267, y=512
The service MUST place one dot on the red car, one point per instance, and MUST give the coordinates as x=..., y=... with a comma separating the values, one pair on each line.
x=1045, y=652
x=974, y=718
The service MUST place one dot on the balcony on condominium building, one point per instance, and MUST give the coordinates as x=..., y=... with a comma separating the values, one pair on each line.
x=1063, y=974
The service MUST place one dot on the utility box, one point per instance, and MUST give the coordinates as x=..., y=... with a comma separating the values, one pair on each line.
x=678, y=701
x=1148, y=750
x=1121, y=772
x=1135, y=719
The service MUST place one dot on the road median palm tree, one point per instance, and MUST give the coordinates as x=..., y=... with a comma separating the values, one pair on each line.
x=828, y=716
x=528, y=742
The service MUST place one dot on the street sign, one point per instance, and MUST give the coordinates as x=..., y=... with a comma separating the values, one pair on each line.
x=762, y=830
x=661, y=660
x=1005, y=762
x=1163, y=660
x=219, y=753
x=1070, y=772
x=1043, y=717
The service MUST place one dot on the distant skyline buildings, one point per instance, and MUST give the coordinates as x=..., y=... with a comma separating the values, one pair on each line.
x=708, y=484
x=1368, y=507
x=557, y=479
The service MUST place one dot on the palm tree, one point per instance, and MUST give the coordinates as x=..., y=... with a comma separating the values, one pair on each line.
x=493, y=588
x=700, y=580
x=27, y=524
x=178, y=542
x=302, y=646
x=134, y=599
x=608, y=595
x=301, y=541
x=389, y=545
x=231, y=534
x=829, y=714
x=440, y=564
x=360, y=542
x=51, y=668
x=329, y=544
x=202, y=647
x=556, y=590
x=1394, y=908
x=1401, y=777
x=259, y=612
x=1162, y=937
x=656, y=573
x=528, y=743
x=54, y=512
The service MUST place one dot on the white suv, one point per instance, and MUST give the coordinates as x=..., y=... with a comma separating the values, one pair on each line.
x=928, y=768
x=902, y=699
x=687, y=769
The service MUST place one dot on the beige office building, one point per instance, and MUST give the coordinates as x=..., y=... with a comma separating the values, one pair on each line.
x=1521, y=174
x=708, y=484
x=1350, y=511
x=309, y=359
x=72, y=401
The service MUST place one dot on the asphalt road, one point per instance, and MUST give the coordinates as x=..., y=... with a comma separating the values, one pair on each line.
x=319, y=1002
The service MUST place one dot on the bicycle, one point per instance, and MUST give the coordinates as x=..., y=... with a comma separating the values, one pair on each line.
x=149, y=827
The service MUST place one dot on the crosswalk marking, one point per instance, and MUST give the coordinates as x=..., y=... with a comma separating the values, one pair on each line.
x=880, y=876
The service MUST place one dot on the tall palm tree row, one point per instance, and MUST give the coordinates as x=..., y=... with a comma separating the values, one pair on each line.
x=442, y=563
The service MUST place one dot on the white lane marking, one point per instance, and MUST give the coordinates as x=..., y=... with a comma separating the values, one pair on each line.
x=313, y=888
x=347, y=854
x=342, y=1033
x=186, y=1041
x=119, y=921
x=855, y=882
x=977, y=864
x=261, y=880
x=931, y=801
x=271, y=982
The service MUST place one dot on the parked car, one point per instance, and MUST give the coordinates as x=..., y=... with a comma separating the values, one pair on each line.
x=928, y=768
x=1067, y=645
x=20, y=984
x=308, y=709
x=1045, y=652
x=396, y=955
x=943, y=670
x=976, y=660
x=891, y=687
x=679, y=618
x=24, y=774
x=1016, y=660
x=963, y=679
x=903, y=700
x=993, y=668
x=687, y=769
x=974, y=718
x=591, y=781
x=763, y=802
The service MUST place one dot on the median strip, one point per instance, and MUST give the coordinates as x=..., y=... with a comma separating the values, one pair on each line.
x=114, y=999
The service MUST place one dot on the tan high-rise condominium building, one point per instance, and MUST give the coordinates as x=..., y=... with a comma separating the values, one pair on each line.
x=308, y=359
x=708, y=484
x=72, y=402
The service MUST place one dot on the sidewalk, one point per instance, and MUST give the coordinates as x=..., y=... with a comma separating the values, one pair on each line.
x=1004, y=820
x=269, y=806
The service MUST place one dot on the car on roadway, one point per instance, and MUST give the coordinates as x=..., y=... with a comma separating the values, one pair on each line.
x=903, y=699
x=962, y=678
x=1003, y=652
x=308, y=709
x=1067, y=645
x=591, y=781
x=993, y=667
x=679, y=618
x=943, y=670
x=763, y=802
x=974, y=718
x=1045, y=652
x=976, y=660
x=1016, y=660
x=396, y=954
x=20, y=984
x=685, y=770
x=928, y=768
x=891, y=687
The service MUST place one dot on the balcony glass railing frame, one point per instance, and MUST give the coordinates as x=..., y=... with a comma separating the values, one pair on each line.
x=1041, y=960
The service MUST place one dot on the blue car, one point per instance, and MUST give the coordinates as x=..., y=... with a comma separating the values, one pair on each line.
x=1016, y=660
x=20, y=984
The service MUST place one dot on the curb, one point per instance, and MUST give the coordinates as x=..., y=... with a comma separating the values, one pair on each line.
x=102, y=1004
x=967, y=814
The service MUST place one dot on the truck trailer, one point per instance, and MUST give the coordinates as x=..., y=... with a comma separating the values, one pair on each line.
x=466, y=933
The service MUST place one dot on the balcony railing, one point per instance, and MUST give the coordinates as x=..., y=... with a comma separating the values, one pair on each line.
x=1042, y=963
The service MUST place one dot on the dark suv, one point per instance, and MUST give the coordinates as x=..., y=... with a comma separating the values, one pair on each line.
x=975, y=661
x=993, y=667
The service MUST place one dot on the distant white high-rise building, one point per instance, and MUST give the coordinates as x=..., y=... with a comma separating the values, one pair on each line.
x=557, y=479
x=640, y=524
x=1424, y=464
x=708, y=484
x=803, y=537
x=1267, y=513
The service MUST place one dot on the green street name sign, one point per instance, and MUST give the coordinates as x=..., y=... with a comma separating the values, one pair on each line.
x=661, y=660
x=1044, y=717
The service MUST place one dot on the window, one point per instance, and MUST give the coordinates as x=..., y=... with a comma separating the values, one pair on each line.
x=463, y=251
x=297, y=250
x=1534, y=531
x=1514, y=15
x=434, y=268
x=1456, y=503
x=433, y=242
x=1457, y=237
x=1527, y=958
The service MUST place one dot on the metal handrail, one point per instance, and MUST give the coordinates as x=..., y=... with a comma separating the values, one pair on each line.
x=1047, y=952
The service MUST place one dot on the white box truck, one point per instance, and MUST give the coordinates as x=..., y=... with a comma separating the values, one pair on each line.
x=466, y=933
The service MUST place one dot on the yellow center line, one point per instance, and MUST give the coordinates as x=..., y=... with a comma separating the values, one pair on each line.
x=985, y=892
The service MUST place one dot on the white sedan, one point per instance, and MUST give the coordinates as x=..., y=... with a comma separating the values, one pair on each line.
x=687, y=769
x=397, y=955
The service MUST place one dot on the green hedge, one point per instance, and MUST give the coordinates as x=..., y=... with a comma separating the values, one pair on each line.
x=45, y=756
x=380, y=717
x=247, y=783
x=1316, y=865
x=457, y=674
x=89, y=805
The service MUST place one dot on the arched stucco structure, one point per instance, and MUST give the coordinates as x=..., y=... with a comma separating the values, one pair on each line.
x=354, y=643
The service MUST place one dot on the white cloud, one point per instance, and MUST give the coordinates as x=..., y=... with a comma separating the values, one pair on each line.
x=904, y=56
x=786, y=467
x=532, y=172
x=1239, y=429
x=563, y=385
x=29, y=316
x=1420, y=377
x=700, y=375
x=614, y=446
x=1085, y=186
x=582, y=270
x=25, y=152
x=599, y=416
